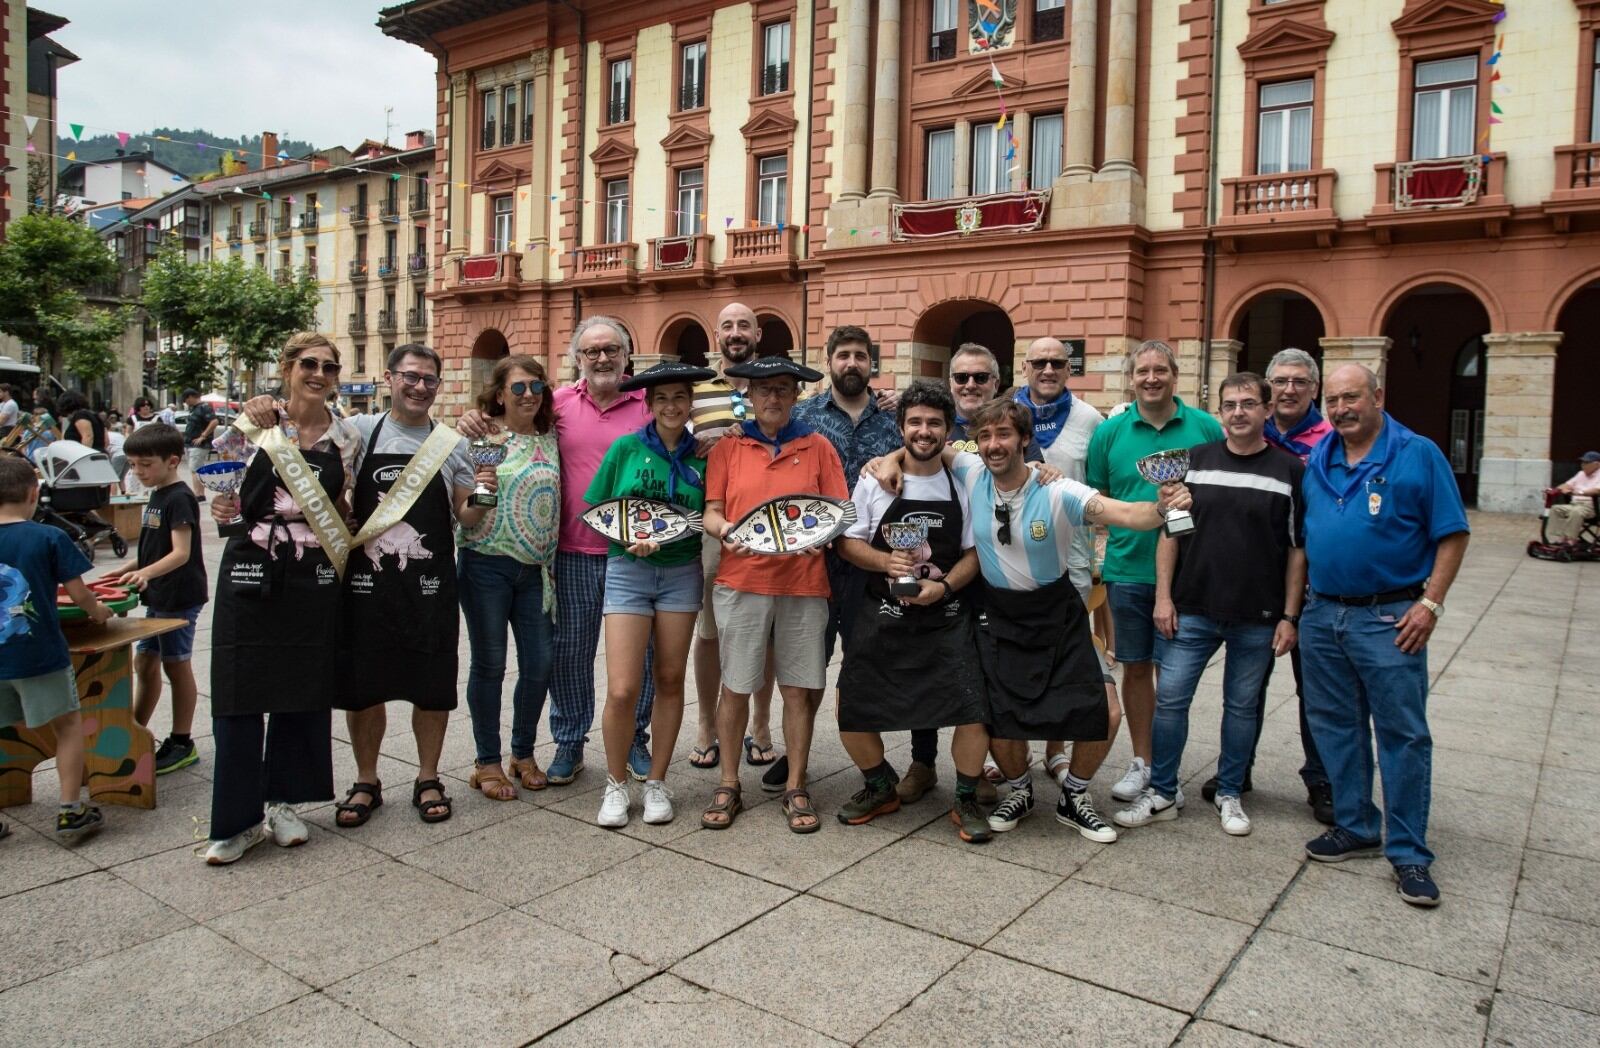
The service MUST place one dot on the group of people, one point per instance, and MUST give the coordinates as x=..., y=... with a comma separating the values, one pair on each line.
x=365, y=541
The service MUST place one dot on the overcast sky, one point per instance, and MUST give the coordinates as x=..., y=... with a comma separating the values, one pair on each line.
x=317, y=69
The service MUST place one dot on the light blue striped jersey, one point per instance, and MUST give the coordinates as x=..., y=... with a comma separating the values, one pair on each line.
x=1044, y=519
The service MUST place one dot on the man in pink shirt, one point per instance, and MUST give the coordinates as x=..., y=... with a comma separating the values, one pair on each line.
x=1566, y=522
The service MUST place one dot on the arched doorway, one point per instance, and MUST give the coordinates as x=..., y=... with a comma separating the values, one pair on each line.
x=947, y=325
x=686, y=340
x=1572, y=421
x=487, y=350
x=1274, y=321
x=1436, y=374
x=776, y=338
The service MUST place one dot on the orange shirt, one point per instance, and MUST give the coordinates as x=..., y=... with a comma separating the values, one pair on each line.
x=742, y=473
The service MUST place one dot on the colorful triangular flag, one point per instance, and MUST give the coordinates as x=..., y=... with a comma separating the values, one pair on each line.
x=1492, y=120
x=1494, y=107
x=72, y=154
x=122, y=136
x=994, y=75
x=32, y=122
x=77, y=132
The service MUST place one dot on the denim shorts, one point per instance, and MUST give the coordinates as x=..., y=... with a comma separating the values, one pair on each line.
x=634, y=587
x=1133, y=609
x=176, y=646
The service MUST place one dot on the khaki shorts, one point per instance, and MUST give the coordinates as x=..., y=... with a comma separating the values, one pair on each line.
x=36, y=701
x=705, y=627
x=794, y=625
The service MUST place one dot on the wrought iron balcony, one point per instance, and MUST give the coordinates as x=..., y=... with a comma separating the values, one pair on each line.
x=258, y=231
x=488, y=133
x=235, y=234
x=358, y=213
x=388, y=268
x=386, y=322
x=417, y=318
x=282, y=225
x=389, y=210
x=308, y=222
x=358, y=269
x=419, y=201
x=417, y=263
x=358, y=324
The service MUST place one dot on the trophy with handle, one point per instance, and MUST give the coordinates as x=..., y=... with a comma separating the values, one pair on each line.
x=905, y=536
x=485, y=452
x=224, y=477
x=1166, y=467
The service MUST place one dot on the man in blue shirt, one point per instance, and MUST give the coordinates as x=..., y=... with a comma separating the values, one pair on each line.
x=1385, y=535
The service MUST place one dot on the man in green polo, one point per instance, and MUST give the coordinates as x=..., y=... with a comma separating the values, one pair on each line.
x=1157, y=421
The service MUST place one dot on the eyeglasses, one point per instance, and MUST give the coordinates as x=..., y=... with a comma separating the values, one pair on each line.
x=414, y=378
x=523, y=388
x=596, y=352
x=311, y=365
x=1002, y=514
x=1230, y=406
x=979, y=378
x=1286, y=382
x=1048, y=364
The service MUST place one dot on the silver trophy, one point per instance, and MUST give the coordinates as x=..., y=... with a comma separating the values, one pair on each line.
x=1166, y=467
x=905, y=536
x=224, y=478
x=485, y=452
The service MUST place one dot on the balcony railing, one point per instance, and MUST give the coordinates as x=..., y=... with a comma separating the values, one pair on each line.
x=416, y=263
x=283, y=276
x=1459, y=190
x=774, y=78
x=387, y=267
x=527, y=127
x=1049, y=25
x=1448, y=182
x=668, y=253
x=761, y=244
x=419, y=202
x=691, y=95
x=258, y=231
x=486, y=274
x=608, y=264
x=389, y=210
x=358, y=213
x=308, y=222
x=417, y=318
x=1290, y=195
x=488, y=133
x=235, y=234
x=508, y=133
x=282, y=225
x=942, y=46
x=619, y=110
x=358, y=323
x=1578, y=167
x=386, y=321
x=358, y=269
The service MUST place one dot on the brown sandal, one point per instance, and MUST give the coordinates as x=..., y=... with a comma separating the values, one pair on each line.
x=490, y=780
x=725, y=800
x=527, y=771
x=794, y=811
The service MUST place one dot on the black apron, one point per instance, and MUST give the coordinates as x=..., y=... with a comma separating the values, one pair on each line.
x=910, y=667
x=275, y=617
x=401, y=620
x=1042, y=676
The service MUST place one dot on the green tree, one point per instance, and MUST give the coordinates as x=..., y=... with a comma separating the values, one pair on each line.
x=44, y=261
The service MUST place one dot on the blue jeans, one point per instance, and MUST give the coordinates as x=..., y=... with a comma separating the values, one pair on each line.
x=1249, y=657
x=1312, y=773
x=1133, y=608
x=580, y=601
x=1358, y=683
x=495, y=590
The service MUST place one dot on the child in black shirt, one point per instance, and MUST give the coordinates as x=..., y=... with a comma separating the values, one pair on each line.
x=171, y=575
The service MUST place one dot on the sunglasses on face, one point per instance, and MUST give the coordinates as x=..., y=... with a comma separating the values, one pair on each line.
x=1002, y=514
x=962, y=378
x=311, y=365
x=416, y=378
x=1048, y=364
x=519, y=389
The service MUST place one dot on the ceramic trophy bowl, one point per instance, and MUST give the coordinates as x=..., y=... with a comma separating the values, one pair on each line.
x=1165, y=467
x=485, y=452
x=224, y=478
x=905, y=536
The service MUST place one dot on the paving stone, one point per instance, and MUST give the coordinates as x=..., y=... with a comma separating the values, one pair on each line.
x=376, y=912
x=33, y=859
x=828, y=947
x=1481, y=773
x=505, y=981
x=1081, y=930
x=167, y=984
x=1560, y=886
x=127, y=833
x=1042, y=1008
x=1038, y=842
x=1568, y=831
x=286, y=1026
x=1305, y=993
x=1522, y=1022
x=1215, y=1035
x=1466, y=866
x=679, y=1015
x=659, y=906
x=689, y=798
x=946, y=891
x=1553, y=960
x=1570, y=787
x=1491, y=816
x=760, y=844
x=64, y=924
x=1508, y=740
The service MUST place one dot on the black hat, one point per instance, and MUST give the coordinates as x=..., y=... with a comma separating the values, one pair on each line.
x=1590, y=456
x=772, y=367
x=665, y=372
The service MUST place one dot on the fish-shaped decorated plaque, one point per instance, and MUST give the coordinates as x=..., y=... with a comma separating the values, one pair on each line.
x=793, y=524
x=629, y=520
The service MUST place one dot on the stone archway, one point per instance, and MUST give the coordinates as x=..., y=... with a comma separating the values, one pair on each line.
x=1275, y=320
x=776, y=338
x=487, y=350
x=944, y=326
x=684, y=339
x=1577, y=377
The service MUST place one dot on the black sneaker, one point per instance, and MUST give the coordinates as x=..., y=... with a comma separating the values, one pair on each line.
x=1339, y=844
x=172, y=755
x=777, y=777
x=877, y=797
x=76, y=825
x=971, y=825
x=1208, y=790
x=1018, y=805
x=1416, y=886
x=1076, y=809
x=1320, y=796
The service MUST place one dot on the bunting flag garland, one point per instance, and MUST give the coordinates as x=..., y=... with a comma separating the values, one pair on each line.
x=72, y=155
x=32, y=122
x=1495, y=88
x=122, y=136
x=77, y=132
x=31, y=149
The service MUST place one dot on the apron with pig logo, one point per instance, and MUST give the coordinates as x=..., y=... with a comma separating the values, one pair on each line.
x=401, y=619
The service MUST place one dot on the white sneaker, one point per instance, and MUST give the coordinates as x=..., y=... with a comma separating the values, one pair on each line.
x=657, y=803
x=1133, y=782
x=614, y=804
x=221, y=853
x=1234, y=820
x=286, y=826
x=1150, y=807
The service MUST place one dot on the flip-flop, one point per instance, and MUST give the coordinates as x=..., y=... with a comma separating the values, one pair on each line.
x=752, y=752
x=709, y=757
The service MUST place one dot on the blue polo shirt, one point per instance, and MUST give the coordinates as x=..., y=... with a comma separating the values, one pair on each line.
x=1375, y=526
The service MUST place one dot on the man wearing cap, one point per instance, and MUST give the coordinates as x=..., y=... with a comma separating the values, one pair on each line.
x=1567, y=521
x=197, y=434
x=757, y=598
x=1385, y=536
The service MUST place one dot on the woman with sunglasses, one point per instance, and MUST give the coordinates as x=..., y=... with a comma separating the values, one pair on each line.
x=503, y=574
x=652, y=590
x=275, y=615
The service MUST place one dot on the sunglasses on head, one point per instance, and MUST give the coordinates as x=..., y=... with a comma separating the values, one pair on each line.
x=534, y=387
x=1002, y=513
x=961, y=378
x=311, y=365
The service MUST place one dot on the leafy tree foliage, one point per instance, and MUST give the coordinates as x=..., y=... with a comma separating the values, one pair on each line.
x=44, y=262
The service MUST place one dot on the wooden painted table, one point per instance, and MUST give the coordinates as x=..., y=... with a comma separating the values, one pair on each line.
x=119, y=752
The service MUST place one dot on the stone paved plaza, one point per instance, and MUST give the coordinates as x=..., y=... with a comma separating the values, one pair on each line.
x=522, y=921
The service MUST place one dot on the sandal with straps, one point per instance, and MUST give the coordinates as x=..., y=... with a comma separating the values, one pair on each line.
x=730, y=804
x=423, y=807
x=362, y=812
x=490, y=780
x=794, y=811
x=528, y=773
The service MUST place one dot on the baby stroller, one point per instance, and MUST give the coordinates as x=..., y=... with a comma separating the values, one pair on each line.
x=75, y=480
x=1586, y=548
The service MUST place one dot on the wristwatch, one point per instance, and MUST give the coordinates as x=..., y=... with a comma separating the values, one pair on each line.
x=948, y=592
x=1293, y=620
x=1432, y=605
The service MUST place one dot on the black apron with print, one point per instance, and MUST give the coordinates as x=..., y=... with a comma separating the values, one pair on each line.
x=1042, y=677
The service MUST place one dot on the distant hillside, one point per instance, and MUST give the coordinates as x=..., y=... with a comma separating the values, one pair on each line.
x=180, y=154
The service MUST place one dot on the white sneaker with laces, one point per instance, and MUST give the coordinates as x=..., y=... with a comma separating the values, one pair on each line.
x=1150, y=807
x=614, y=804
x=1133, y=782
x=221, y=853
x=1234, y=821
x=286, y=826
x=657, y=803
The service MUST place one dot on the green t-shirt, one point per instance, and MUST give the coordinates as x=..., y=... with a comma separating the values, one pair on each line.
x=1114, y=451
x=632, y=470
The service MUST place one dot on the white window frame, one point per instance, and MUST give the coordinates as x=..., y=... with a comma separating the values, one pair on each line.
x=490, y=113
x=988, y=147
x=936, y=190
x=502, y=227
x=618, y=196
x=622, y=85
x=945, y=11
x=775, y=53
x=691, y=187
x=527, y=111
x=1447, y=91
x=772, y=189
x=1284, y=114
x=1044, y=170
x=692, y=58
x=1594, y=94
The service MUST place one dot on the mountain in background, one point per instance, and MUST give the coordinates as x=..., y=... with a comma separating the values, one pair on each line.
x=181, y=155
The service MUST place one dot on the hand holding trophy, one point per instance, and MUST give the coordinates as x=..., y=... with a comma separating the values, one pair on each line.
x=485, y=451
x=905, y=536
x=1165, y=467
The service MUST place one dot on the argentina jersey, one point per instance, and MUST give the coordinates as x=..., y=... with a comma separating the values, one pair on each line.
x=1042, y=525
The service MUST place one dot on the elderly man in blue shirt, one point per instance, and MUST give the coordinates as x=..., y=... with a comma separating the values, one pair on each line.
x=1385, y=535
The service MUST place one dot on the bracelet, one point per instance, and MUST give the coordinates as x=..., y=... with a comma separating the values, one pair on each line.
x=948, y=592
